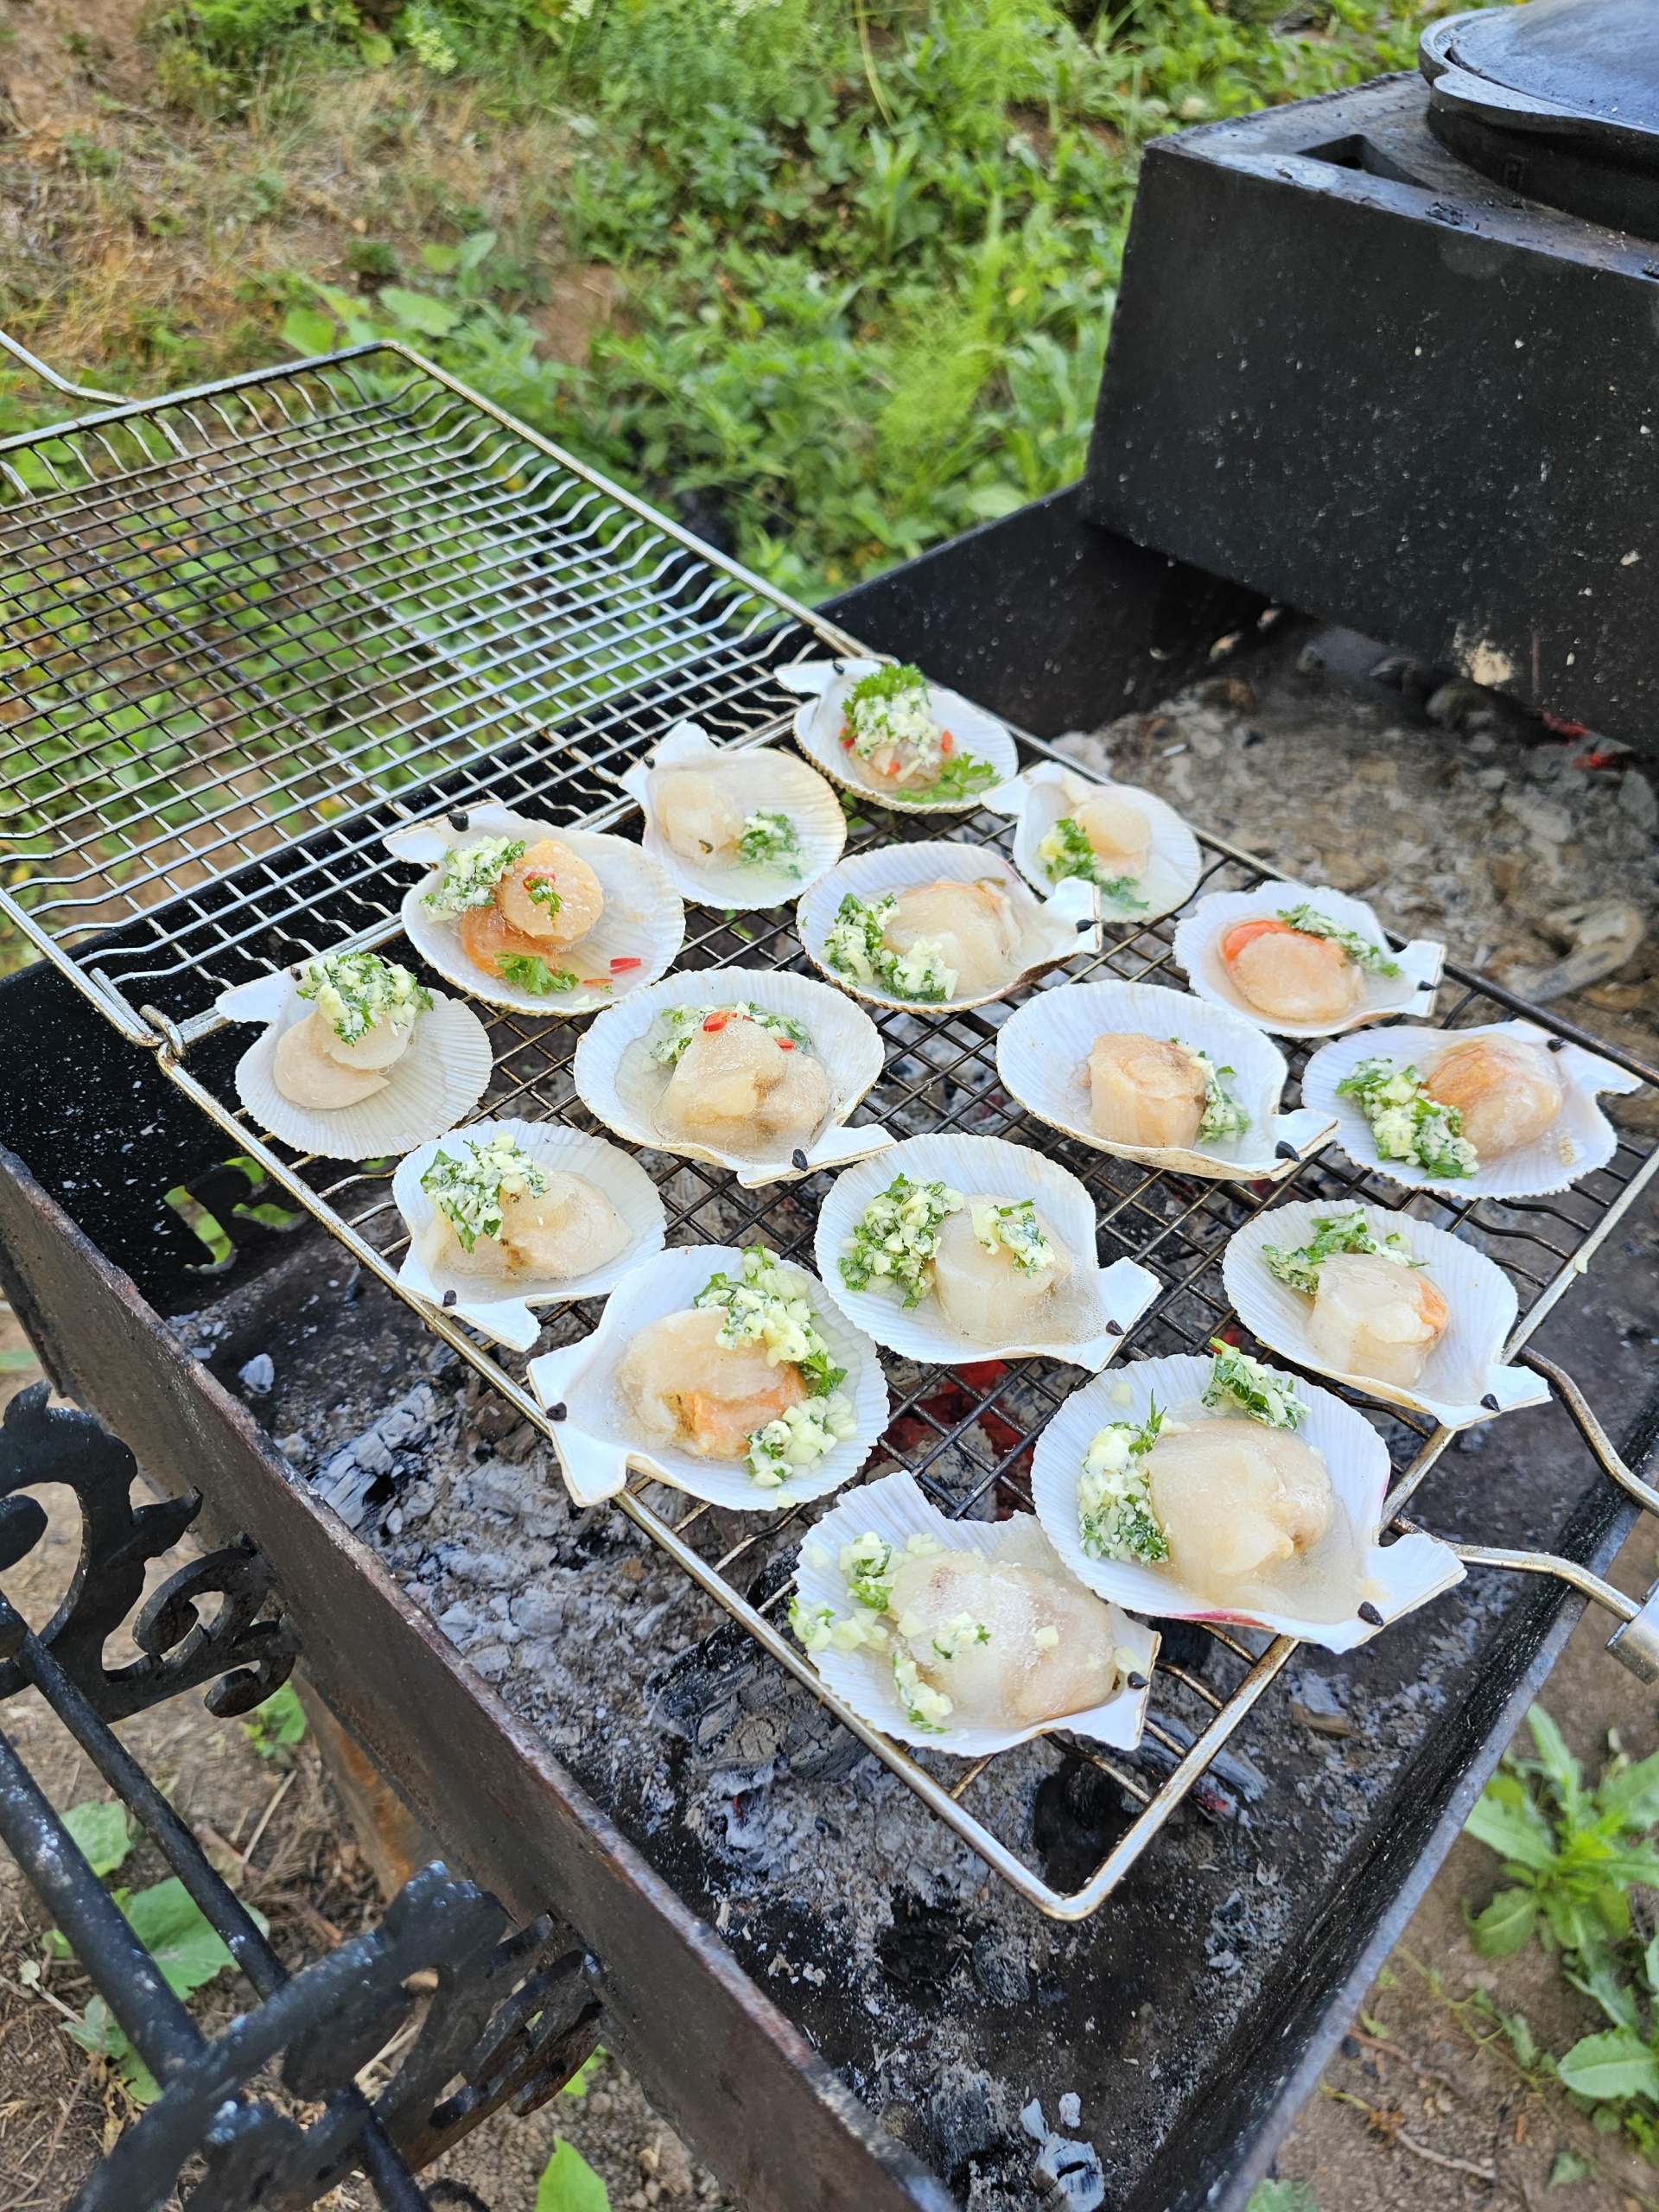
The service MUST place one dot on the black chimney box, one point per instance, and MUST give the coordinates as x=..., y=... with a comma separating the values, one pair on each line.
x=1352, y=372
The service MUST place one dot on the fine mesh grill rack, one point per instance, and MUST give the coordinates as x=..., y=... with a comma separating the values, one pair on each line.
x=251, y=629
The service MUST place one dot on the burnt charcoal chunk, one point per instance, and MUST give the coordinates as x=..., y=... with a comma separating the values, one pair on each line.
x=926, y=1947
x=1079, y=1814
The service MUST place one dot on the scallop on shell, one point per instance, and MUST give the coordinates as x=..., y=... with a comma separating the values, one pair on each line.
x=895, y=1510
x=1046, y=793
x=1197, y=948
x=755, y=779
x=619, y=1084
x=1042, y=1059
x=1393, y=1579
x=1085, y=1319
x=593, y=1434
x=1051, y=930
x=1464, y=1370
x=644, y=918
x=437, y=1080
x=822, y=713
x=507, y=1318
x=1578, y=1141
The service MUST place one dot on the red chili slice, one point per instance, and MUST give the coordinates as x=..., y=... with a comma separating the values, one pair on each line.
x=718, y=1021
x=785, y=1044
x=618, y=966
x=946, y=741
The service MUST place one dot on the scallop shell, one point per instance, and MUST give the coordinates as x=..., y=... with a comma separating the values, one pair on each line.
x=643, y=917
x=895, y=1508
x=1118, y=1295
x=1051, y=929
x=1467, y=1366
x=594, y=1447
x=1043, y=794
x=1396, y=1578
x=819, y=717
x=1197, y=948
x=843, y=1037
x=508, y=1319
x=1044, y=1047
x=438, y=1080
x=1578, y=1141
x=757, y=778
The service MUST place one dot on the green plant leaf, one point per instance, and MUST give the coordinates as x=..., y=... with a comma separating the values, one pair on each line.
x=97, y=2031
x=420, y=311
x=582, y=2079
x=1520, y=2034
x=1616, y=2063
x=1504, y=1926
x=275, y=1726
x=309, y=331
x=102, y=1834
x=1282, y=2197
x=442, y=260
x=1598, y=1977
x=1558, y=1763
x=568, y=2184
x=168, y=1923
x=1569, y=2167
x=1506, y=1820
x=1632, y=1796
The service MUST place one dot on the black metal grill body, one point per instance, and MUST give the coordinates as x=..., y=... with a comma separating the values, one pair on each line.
x=1351, y=371
x=1185, y=2010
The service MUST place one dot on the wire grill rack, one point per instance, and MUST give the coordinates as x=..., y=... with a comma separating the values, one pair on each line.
x=256, y=870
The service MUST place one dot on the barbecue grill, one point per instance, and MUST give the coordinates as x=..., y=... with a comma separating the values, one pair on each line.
x=253, y=628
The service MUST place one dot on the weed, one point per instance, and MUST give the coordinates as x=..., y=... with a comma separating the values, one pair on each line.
x=274, y=1728
x=1572, y=1855
x=568, y=2184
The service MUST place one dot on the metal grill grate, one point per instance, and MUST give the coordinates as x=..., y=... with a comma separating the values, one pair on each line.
x=477, y=590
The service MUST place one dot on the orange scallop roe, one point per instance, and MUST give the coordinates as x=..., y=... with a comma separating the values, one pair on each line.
x=486, y=935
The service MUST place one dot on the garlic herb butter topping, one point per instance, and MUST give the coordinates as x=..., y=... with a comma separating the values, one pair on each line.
x=353, y=990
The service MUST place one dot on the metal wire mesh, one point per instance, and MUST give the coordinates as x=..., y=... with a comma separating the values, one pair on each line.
x=254, y=628
x=968, y=1434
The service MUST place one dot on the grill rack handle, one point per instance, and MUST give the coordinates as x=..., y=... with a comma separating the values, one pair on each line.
x=1635, y=1641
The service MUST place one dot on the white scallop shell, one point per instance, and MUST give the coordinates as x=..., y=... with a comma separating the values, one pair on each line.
x=508, y=1319
x=895, y=1508
x=1197, y=948
x=644, y=918
x=1465, y=1368
x=1579, y=1141
x=1042, y=1053
x=594, y=1443
x=439, y=1079
x=1043, y=794
x=1049, y=928
x=756, y=779
x=1396, y=1577
x=1119, y=1294
x=843, y=1038
x=819, y=718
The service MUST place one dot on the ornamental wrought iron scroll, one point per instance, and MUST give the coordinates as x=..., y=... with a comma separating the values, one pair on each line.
x=511, y=2019
x=185, y=1639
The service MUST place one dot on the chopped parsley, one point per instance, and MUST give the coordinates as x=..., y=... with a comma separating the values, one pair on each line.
x=1114, y=1513
x=1360, y=949
x=528, y=971
x=769, y=841
x=961, y=776
x=682, y=1023
x=541, y=893
x=1224, y=1118
x=1067, y=851
x=924, y=1707
x=799, y=1437
x=768, y=1305
x=896, y=1236
x=1239, y=1384
x=353, y=990
x=889, y=724
x=1013, y=1228
x=853, y=945
x=1300, y=1266
x=1405, y=1123
x=470, y=874
x=469, y=1188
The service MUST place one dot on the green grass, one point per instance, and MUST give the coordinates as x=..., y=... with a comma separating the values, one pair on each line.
x=867, y=254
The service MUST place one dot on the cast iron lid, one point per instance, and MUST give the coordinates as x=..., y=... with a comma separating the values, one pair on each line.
x=1558, y=100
